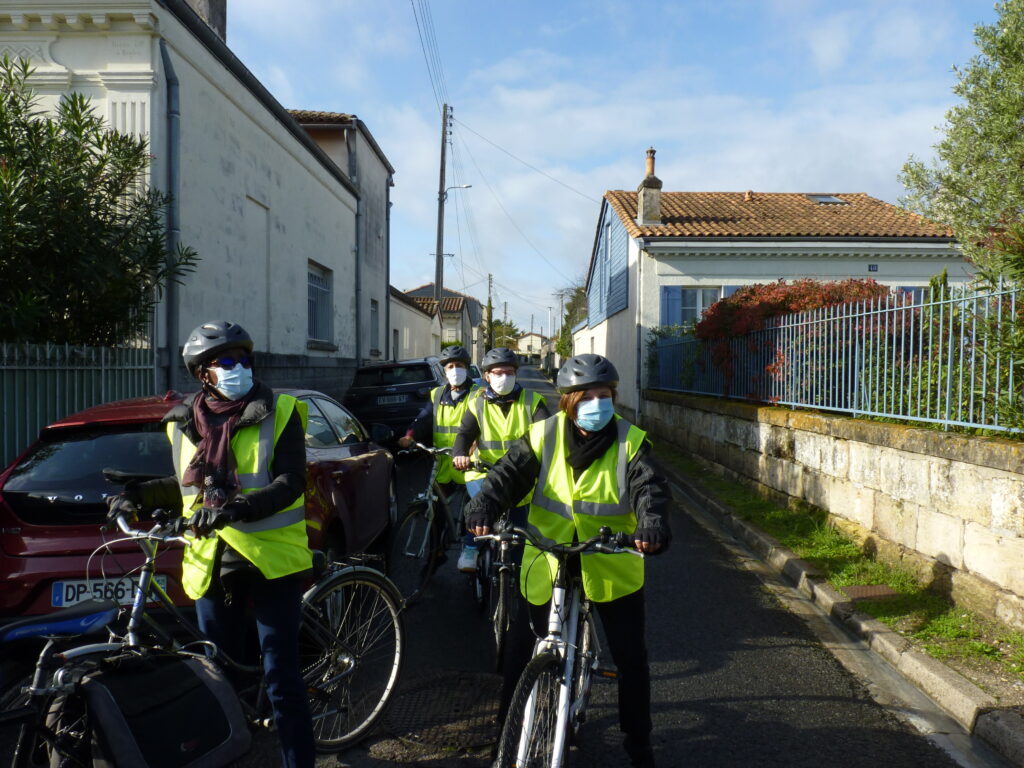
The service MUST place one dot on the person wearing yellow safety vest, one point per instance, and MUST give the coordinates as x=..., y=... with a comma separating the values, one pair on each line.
x=439, y=420
x=585, y=468
x=496, y=417
x=240, y=466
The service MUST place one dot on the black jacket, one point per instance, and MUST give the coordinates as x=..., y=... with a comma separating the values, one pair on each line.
x=288, y=467
x=516, y=473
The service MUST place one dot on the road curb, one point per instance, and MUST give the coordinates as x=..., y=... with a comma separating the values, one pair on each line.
x=975, y=710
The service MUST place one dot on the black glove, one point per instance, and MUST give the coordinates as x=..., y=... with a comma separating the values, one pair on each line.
x=123, y=504
x=478, y=516
x=206, y=520
x=655, y=536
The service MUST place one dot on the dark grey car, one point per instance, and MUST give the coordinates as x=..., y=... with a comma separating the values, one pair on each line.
x=393, y=393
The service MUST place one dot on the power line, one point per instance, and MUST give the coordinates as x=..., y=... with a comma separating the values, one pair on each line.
x=531, y=167
x=509, y=216
x=426, y=58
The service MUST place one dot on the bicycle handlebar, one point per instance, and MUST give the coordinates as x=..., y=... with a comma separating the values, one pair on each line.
x=163, y=530
x=606, y=542
x=478, y=465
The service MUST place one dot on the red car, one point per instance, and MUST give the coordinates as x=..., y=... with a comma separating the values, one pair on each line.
x=52, y=499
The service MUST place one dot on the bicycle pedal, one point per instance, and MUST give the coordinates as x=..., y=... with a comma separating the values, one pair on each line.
x=605, y=672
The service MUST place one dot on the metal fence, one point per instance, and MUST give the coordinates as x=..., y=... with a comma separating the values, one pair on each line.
x=941, y=358
x=40, y=383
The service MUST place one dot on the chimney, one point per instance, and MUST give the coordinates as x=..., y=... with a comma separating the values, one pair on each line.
x=214, y=13
x=648, y=203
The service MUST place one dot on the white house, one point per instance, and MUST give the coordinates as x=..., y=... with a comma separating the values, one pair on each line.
x=461, y=318
x=661, y=258
x=414, y=331
x=530, y=346
x=280, y=228
x=348, y=142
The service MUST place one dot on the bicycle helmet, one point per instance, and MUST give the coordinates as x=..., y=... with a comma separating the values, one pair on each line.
x=455, y=354
x=209, y=339
x=499, y=356
x=585, y=371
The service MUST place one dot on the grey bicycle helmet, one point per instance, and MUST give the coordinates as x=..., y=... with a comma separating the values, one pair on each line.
x=455, y=354
x=209, y=339
x=585, y=371
x=499, y=356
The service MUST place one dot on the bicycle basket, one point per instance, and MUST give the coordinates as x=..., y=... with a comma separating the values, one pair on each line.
x=163, y=710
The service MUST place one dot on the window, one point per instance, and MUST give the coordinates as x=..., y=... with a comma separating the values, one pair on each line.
x=374, y=323
x=449, y=334
x=344, y=423
x=729, y=290
x=826, y=200
x=394, y=343
x=319, y=312
x=681, y=305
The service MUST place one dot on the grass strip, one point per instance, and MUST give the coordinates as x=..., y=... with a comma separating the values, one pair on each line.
x=930, y=620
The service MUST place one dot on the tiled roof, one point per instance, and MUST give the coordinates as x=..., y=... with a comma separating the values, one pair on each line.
x=448, y=303
x=409, y=300
x=772, y=214
x=309, y=116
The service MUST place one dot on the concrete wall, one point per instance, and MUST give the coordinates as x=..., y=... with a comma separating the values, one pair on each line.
x=416, y=331
x=255, y=203
x=949, y=506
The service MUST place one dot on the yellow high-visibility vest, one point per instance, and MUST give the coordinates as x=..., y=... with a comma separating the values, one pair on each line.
x=277, y=544
x=446, y=425
x=564, y=509
x=498, y=430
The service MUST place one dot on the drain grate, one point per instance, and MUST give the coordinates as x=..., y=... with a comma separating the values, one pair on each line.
x=449, y=709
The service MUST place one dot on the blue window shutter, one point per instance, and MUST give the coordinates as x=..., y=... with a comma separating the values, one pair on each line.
x=671, y=305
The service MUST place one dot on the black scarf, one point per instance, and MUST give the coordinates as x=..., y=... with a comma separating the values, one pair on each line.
x=585, y=449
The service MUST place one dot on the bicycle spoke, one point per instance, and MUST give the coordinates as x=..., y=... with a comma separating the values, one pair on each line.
x=352, y=673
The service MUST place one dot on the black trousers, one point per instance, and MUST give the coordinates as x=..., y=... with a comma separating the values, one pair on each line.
x=623, y=621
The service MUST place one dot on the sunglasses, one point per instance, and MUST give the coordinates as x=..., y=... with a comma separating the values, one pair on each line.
x=227, y=363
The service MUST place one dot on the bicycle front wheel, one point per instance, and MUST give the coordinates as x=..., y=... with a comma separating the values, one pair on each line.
x=350, y=644
x=412, y=552
x=532, y=720
x=62, y=718
x=583, y=667
x=501, y=613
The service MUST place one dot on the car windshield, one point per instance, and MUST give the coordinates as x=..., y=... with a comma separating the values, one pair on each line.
x=391, y=375
x=62, y=481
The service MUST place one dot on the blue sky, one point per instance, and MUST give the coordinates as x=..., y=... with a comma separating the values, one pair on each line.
x=769, y=95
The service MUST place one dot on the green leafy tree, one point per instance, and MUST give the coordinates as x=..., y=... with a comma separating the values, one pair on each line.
x=83, y=244
x=976, y=184
x=505, y=333
x=574, y=299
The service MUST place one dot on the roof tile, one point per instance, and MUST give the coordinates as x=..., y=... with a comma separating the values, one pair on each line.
x=773, y=214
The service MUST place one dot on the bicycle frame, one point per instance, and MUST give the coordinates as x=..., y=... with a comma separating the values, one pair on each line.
x=563, y=622
x=433, y=497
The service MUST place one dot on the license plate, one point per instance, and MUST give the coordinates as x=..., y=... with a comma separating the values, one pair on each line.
x=75, y=591
x=391, y=399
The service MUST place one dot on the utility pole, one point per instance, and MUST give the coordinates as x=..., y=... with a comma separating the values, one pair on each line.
x=550, y=326
x=439, y=255
x=490, y=312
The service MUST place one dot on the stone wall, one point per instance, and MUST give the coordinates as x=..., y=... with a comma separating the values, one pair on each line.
x=949, y=506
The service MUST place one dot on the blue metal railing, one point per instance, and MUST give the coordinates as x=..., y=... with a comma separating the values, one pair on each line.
x=939, y=358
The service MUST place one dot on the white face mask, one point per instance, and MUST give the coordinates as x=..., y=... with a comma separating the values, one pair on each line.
x=455, y=376
x=234, y=383
x=502, y=384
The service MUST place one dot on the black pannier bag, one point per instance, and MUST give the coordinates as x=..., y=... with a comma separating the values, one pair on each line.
x=163, y=711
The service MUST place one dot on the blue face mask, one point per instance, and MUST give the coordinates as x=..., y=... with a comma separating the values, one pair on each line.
x=594, y=415
x=235, y=382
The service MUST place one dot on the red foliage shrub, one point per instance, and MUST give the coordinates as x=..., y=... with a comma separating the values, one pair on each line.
x=748, y=308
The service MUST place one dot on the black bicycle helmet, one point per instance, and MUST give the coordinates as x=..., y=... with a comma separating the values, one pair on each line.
x=585, y=371
x=209, y=339
x=499, y=356
x=455, y=354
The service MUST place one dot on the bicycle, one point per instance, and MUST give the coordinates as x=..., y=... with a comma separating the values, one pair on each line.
x=420, y=541
x=351, y=647
x=549, y=702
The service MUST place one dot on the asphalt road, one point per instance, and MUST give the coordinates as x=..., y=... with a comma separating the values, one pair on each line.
x=737, y=679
